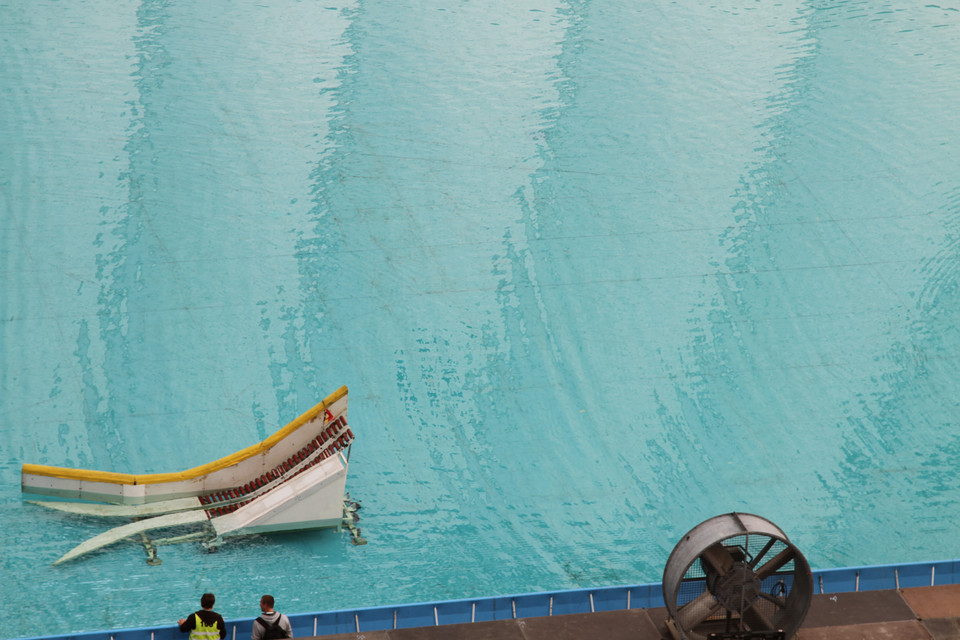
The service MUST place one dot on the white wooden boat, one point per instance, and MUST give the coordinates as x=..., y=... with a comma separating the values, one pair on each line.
x=295, y=479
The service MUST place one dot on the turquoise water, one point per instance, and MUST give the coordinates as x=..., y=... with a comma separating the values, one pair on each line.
x=593, y=272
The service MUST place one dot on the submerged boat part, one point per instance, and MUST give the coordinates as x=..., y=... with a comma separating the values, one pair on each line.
x=133, y=529
x=350, y=520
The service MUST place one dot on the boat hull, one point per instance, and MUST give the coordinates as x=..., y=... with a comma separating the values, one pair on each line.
x=295, y=479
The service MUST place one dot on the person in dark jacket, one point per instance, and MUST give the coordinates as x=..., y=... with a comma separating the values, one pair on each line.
x=205, y=624
x=270, y=624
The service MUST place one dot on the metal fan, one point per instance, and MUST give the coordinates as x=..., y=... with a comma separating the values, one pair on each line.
x=736, y=575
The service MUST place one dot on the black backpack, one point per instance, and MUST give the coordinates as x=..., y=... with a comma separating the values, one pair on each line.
x=272, y=631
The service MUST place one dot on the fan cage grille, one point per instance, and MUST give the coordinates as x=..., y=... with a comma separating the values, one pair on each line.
x=778, y=584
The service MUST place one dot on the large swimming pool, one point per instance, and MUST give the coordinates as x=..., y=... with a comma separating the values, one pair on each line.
x=593, y=271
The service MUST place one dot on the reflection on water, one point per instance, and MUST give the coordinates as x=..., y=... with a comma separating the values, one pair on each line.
x=593, y=272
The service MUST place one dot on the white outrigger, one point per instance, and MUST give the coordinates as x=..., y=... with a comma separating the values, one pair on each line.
x=295, y=479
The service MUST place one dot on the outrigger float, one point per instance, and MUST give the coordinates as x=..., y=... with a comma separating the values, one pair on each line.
x=295, y=479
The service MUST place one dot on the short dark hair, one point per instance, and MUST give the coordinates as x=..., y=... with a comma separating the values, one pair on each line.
x=207, y=600
x=267, y=600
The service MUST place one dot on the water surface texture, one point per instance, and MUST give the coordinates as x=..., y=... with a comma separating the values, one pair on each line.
x=593, y=271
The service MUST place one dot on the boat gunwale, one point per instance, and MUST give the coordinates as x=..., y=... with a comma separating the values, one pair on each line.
x=110, y=477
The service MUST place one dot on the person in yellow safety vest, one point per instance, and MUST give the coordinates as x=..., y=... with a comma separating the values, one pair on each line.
x=205, y=624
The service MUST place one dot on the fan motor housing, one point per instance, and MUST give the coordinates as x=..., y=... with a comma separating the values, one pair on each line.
x=735, y=588
x=740, y=569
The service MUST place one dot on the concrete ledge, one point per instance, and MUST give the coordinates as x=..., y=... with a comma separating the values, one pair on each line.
x=920, y=613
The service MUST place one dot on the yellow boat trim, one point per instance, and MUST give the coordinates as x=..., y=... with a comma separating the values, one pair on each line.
x=189, y=474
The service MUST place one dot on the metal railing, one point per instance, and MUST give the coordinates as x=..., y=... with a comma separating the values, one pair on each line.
x=531, y=605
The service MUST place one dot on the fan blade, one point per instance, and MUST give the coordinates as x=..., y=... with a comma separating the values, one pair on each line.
x=755, y=619
x=757, y=558
x=775, y=563
x=697, y=610
x=779, y=603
